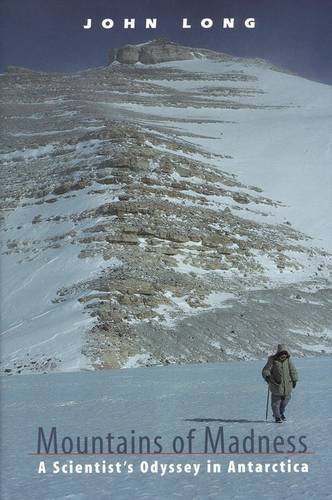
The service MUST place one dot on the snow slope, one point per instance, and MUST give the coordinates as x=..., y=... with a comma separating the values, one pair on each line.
x=35, y=318
x=286, y=149
x=242, y=118
x=165, y=401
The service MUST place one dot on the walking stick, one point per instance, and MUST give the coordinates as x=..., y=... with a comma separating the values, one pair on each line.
x=267, y=402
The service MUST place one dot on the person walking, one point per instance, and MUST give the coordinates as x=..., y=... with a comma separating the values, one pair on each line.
x=281, y=375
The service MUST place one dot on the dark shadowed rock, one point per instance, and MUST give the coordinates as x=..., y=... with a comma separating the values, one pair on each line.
x=128, y=55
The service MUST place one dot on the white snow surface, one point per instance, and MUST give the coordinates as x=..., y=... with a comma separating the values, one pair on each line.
x=35, y=319
x=166, y=402
x=32, y=322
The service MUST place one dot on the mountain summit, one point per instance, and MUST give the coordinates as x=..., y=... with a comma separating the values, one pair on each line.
x=156, y=51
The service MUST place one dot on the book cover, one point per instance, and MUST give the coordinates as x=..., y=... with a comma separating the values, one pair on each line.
x=166, y=238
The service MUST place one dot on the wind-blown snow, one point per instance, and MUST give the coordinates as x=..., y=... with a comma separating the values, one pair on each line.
x=35, y=319
x=32, y=322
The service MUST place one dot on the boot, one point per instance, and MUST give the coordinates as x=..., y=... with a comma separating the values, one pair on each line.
x=278, y=420
x=283, y=418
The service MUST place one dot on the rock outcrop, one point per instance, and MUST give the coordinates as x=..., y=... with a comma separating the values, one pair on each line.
x=153, y=52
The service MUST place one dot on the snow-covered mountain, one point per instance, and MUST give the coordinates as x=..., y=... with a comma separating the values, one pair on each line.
x=164, y=213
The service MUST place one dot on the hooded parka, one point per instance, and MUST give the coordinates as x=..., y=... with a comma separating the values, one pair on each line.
x=282, y=374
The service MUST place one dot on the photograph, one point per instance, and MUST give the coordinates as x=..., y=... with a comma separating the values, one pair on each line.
x=166, y=243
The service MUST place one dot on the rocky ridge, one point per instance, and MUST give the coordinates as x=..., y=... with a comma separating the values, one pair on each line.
x=156, y=51
x=184, y=233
